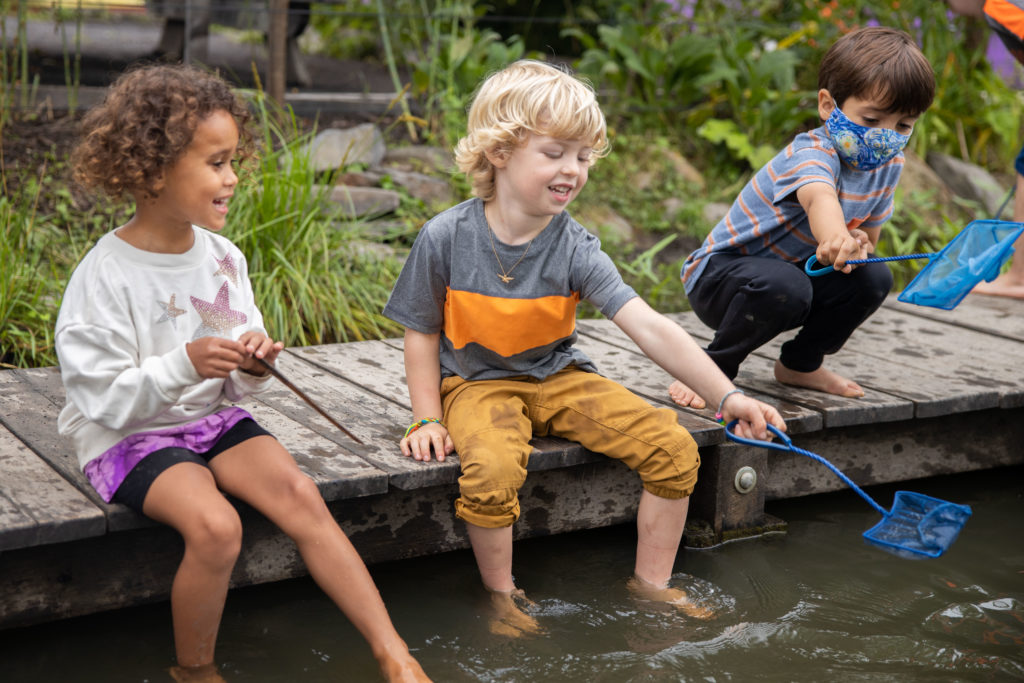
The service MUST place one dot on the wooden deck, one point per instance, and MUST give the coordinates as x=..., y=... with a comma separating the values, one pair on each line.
x=945, y=393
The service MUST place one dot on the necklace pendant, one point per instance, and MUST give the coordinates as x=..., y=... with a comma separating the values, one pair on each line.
x=506, y=278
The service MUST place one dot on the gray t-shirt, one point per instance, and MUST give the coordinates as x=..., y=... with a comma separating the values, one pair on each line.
x=491, y=329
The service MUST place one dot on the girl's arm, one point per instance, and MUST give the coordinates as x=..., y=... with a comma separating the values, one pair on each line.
x=671, y=347
x=423, y=377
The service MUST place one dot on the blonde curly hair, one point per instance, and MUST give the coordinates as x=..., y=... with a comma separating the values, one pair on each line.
x=527, y=97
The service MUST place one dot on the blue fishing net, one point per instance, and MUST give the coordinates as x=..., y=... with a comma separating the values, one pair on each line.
x=919, y=524
x=977, y=253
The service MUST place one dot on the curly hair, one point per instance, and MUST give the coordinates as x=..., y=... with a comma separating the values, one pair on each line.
x=526, y=97
x=146, y=122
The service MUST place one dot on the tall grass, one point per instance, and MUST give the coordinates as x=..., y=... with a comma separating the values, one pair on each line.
x=313, y=277
x=27, y=290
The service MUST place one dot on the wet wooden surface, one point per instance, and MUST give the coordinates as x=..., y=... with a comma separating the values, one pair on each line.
x=944, y=393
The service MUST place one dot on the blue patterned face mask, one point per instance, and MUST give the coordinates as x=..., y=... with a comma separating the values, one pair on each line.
x=861, y=147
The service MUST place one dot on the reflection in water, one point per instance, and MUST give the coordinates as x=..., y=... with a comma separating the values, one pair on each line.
x=815, y=604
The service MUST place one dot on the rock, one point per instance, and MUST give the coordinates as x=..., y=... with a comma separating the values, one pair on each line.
x=336, y=148
x=714, y=212
x=359, y=179
x=920, y=177
x=431, y=191
x=969, y=181
x=606, y=223
x=685, y=169
x=420, y=158
x=364, y=202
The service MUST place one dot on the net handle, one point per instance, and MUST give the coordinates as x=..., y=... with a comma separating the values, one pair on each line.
x=810, y=270
x=787, y=445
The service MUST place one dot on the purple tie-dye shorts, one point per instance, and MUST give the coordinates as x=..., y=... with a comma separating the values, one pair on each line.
x=107, y=471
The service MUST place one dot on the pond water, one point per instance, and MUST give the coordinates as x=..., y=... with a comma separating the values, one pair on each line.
x=814, y=604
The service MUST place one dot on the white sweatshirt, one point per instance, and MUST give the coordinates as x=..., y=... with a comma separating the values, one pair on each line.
x=121, y=333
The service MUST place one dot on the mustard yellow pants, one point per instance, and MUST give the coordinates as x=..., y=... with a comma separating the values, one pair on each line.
x=491, y=423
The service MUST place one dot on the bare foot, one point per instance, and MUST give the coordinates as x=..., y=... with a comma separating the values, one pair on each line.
x=1008, y=284
x=670, y=596
x=821, y=379
x=685, y=396
x=510, y=618
x=207, y=673
x=401, y=667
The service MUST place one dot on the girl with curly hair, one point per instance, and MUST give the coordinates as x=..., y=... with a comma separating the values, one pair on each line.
x=158, y=335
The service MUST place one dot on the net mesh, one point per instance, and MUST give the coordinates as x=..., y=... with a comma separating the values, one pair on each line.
x=919, y=524
x=977, y=253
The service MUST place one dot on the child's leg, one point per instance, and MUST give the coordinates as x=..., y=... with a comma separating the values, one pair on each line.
x=1011, y=283
x=492, y=549
x=605, y=417
x=491, y=433
x=748, y=301
x=841, y=303
x=185, y=497
x=262, y=473
x=659, y=525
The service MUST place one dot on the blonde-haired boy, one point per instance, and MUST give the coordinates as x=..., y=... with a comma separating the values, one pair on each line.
x=488, y=299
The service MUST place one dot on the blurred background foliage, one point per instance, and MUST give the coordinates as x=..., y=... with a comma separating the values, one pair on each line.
x=721, y=84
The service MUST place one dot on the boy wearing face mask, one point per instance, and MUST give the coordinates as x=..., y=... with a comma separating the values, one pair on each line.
x=828, y=193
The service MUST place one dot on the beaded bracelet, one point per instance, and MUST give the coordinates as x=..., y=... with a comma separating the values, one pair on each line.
x=416, y=425
x=721, y=404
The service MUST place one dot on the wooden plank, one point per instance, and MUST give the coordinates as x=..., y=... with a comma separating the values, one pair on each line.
x=32, y=416
x=379, y=367
x=980, y=370
x=899, y=451
x=996, y=315
x=379, y=423
x=643, y=377
x=37, y=506
x=337, y=474
x=891, y=387
x=798, y=418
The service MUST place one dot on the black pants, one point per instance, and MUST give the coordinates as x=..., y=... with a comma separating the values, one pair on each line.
x=749, y=300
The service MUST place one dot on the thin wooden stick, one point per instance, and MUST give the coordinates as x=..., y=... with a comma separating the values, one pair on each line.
x=301, y=394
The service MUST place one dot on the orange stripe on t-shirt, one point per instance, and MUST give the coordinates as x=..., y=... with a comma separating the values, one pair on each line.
x=1007, y=14
x=508, y=326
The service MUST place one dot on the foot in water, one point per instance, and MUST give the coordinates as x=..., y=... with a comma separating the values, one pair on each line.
x=685, y=396
x=208, y=673
x=402, y=667
x=510, y=617
x=673, y=597
x=1008, y=284
x=821, y=379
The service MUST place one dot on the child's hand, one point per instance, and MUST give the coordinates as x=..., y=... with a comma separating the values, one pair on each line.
x=842, y=248
x=258, y=345
x=753, y=415
x=214, y=357
x=418, y=444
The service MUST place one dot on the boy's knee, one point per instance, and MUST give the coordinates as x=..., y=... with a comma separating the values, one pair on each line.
x=489, y=486
x=875, y=281
x=489, y=509
x=671, y=472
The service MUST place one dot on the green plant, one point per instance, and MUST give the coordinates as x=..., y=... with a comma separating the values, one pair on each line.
x=312, y=279
x=651, y=61
x=26, y=283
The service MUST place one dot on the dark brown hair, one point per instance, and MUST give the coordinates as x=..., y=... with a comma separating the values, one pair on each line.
x=146, y=122
x=879, y=62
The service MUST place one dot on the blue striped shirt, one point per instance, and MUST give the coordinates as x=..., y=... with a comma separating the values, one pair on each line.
x=767, y=220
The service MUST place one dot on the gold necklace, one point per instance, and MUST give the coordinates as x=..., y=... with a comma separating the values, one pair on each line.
x=506, y=275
